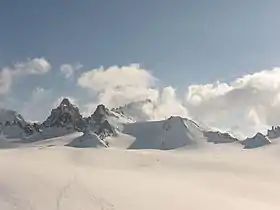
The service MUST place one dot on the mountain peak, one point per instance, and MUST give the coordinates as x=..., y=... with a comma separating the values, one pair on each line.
x=105, y=122
x=101, y=110
x=65, y=102
x=274, y=132
x=66, y=114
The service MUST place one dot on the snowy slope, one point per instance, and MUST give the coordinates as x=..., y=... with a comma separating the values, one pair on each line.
x=12, y=125
x=175, y=132
x=258, y=140
x=64, y=178
x=88, y=140
x=48, y=133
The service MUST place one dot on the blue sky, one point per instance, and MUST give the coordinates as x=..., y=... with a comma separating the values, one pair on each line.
x=181, y=42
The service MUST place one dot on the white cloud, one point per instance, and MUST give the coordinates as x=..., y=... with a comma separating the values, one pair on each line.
x=246, y=105
x=31, y=66
x=166, y=104
x=115, y=77
x=5, y=80
x=252, y=100
x=68, y=70
x=117, y=86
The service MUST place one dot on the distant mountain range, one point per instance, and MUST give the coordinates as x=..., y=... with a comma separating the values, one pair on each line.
x=104, y=124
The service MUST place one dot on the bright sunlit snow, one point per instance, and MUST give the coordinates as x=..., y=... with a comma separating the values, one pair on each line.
x=105, y=163
x=46, y=175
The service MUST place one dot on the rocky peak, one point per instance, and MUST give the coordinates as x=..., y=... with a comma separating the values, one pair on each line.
x=65, y=103
x=274, y=132
x=99, y=122
x=100, y=113
x=65, y=115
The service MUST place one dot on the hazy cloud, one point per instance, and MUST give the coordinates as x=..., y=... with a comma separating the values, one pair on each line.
x=31, y=66
x=68, y=70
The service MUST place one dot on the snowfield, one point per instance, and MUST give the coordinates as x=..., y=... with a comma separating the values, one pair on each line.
x=104, y=162
x=46, y=175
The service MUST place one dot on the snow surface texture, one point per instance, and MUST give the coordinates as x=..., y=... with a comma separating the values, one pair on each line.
x=44, y=177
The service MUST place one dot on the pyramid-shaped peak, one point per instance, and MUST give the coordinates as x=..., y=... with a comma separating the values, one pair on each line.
x=101, y=110
x=65, y=102
x=65, y=115
x=101, y=107
x=174, y=118
x=258, y=135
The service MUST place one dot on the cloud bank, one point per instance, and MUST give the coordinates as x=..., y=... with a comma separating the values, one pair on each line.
x=244, y=106
x=248, y=104
x=251, y=100
x=117, y=86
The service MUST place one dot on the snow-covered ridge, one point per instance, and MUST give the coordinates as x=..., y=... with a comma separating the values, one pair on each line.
x=258, y=140
x=12, y=125
x=175, y=132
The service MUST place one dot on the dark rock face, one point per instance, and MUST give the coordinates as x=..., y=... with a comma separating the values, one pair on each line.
x=29, y=129
x=100, y=114
x=65, y=115
x=99, y=124
x=274, y=132
x=37, y=127
x=218, y=137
